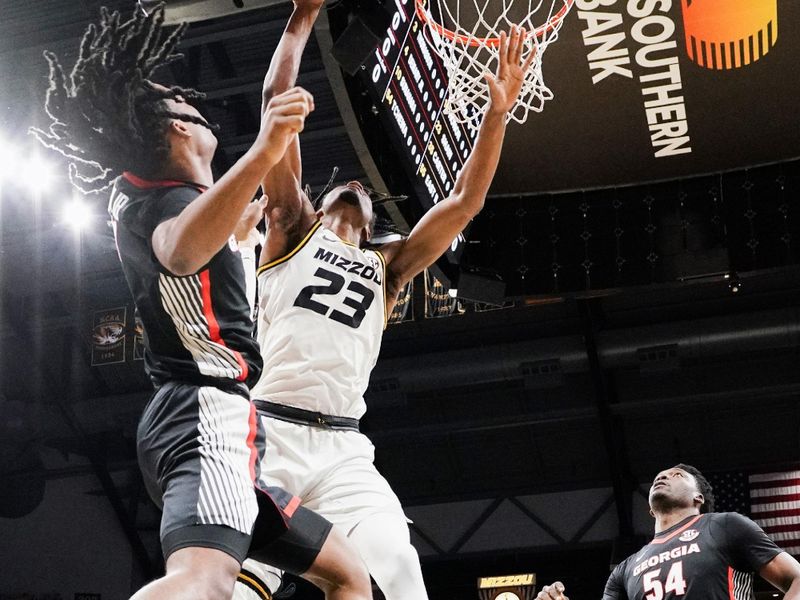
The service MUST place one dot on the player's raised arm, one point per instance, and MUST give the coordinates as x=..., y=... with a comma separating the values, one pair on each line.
x=185, y=243
x=288, y=211
x=431, y=237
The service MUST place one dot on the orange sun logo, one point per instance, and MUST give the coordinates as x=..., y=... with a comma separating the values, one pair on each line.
x=728, y=34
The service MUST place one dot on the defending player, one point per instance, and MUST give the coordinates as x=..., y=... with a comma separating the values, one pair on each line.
x=198, y=438
x=323, y=303
x=696, y=554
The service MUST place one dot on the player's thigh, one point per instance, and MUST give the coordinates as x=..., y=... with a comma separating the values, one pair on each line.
x=291, y=457
x=354, y=488
x=297, y=548
x=195, y=458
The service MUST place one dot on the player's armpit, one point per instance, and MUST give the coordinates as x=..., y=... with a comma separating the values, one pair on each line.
x=429, y=240
x=783, y=572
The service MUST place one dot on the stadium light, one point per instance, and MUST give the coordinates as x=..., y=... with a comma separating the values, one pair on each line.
x=9, y=157
x=77, y=214
x=36, y=173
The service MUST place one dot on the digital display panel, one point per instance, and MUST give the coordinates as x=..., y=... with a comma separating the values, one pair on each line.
x=409, y=85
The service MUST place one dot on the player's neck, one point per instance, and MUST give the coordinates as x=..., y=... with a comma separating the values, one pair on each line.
x=671, y=518
x=343, y=229
x=189, y=168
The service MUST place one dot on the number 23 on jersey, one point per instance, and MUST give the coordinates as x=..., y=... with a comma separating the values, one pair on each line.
x=358, y=298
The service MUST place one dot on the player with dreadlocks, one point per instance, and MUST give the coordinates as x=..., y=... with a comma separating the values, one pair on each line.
x=198, y=440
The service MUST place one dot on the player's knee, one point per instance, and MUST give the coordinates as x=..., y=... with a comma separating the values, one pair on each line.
x=351, y=574
x=217, y=589
x=339, y=567
x=203, y=575
x=403, y=561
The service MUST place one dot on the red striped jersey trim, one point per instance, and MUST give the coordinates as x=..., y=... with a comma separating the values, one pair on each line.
x=730, y=584
x=251, y=441
x=213, y=325
x=292, y=506
x=147, y=184
x=661, y=540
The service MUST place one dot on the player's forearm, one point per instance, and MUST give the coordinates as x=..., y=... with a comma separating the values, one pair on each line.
x=793, y=593
x=204, y=227
x=473, y=183
x=285, y=63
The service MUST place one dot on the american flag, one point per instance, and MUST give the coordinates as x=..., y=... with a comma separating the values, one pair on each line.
x=772, y=500
x=775, y=506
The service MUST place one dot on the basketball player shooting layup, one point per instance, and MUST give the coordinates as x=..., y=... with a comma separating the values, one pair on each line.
x=696, y=554
x=323, y=303
x=198, y=438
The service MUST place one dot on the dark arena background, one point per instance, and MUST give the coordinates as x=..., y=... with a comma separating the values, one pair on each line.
x=628, y=299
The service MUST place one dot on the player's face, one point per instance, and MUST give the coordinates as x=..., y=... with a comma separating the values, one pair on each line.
x=673, y=488
x=202, y=138
x=351, y=200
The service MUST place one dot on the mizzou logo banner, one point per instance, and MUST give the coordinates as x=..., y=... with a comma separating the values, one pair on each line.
x=507, y=587
x=108, y=336
x=138, y=338
x=652, y=90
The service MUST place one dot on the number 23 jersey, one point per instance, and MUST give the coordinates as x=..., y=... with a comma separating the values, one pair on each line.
x=321, y=315
x=704, y=557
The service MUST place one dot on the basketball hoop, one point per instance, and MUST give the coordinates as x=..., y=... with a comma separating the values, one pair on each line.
x=466, y=36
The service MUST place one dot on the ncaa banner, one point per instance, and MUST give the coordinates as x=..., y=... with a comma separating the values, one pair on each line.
x=108, y=336
x=647, y=90
x=138, y=338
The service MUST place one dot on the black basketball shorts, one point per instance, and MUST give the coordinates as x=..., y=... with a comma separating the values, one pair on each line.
x=199, y=450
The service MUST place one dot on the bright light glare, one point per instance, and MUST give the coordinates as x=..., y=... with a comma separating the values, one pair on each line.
x=453, y=293
x=77, y=215
x=36, y=174
x=9, y=161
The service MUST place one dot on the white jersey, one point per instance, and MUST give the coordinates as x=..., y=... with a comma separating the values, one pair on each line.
x=321, y=316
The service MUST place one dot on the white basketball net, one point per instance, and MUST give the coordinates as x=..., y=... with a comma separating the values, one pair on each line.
x=466, y=34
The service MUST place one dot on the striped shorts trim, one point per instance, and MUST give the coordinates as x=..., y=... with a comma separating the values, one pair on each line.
x=198, y=452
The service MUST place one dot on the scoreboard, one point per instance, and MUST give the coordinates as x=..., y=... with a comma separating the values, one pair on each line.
x=408, y=82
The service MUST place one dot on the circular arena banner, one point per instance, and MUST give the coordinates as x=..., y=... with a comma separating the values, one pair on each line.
x=647, y=90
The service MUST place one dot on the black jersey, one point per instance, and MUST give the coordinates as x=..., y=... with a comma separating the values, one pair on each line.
x=197, y=328
x=704, y=557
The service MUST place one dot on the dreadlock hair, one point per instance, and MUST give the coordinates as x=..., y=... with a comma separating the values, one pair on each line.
x=107, y=116
x=702, y=486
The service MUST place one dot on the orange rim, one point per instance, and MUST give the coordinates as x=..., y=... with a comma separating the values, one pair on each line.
x=492, y=42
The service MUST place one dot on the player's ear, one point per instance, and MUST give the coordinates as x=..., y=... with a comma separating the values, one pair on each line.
x=178, y=127
x=652, y=514
x=700, y=499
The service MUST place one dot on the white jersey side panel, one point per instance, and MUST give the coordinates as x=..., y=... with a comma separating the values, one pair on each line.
x=322, y=311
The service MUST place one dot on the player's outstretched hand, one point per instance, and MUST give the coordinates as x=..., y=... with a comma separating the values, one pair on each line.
x=250, y=218
x=506, y=83
x=552, y=592
x=284, y=118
